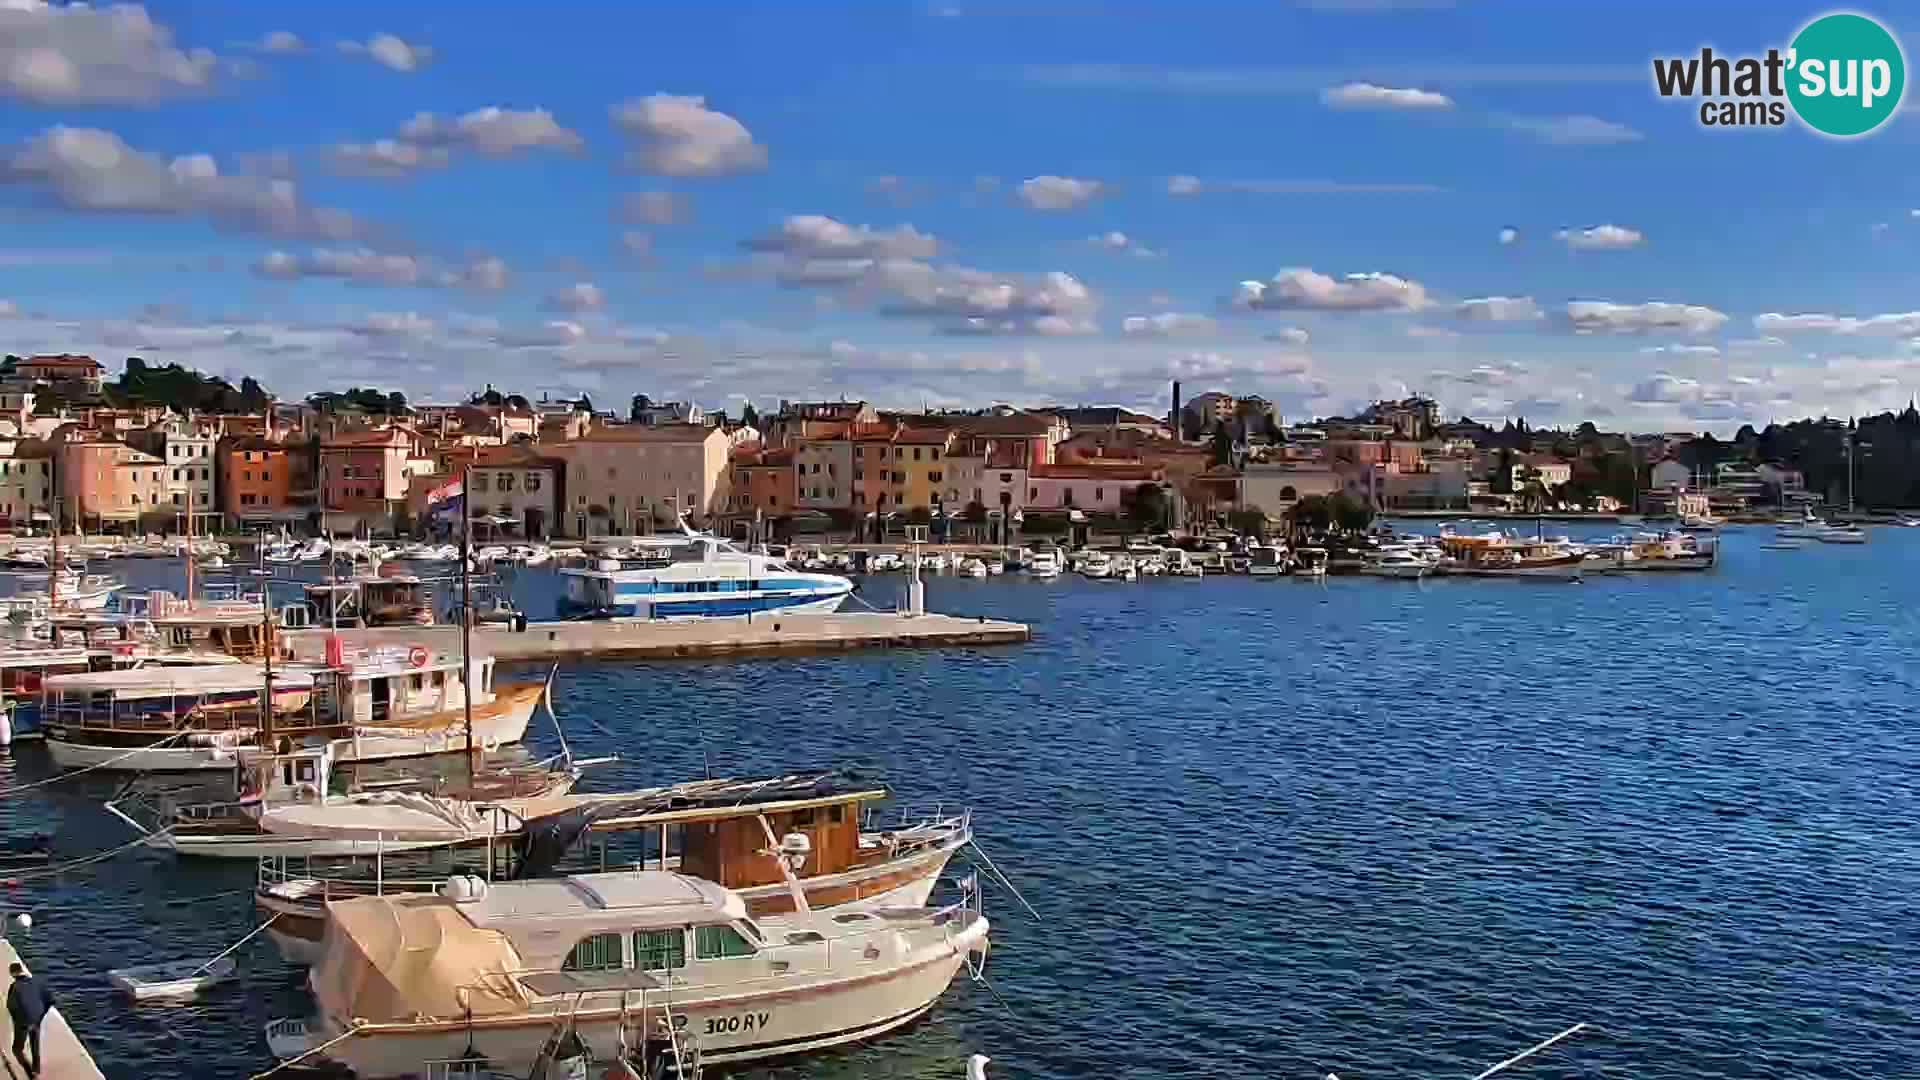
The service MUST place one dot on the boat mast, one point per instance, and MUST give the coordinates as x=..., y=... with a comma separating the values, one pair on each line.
x=189, y=545
x=266, y=652
x=466, y=609
x=53, y=559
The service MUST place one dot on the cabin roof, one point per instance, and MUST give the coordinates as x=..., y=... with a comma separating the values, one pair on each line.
x=178, y=681
x=641, y=897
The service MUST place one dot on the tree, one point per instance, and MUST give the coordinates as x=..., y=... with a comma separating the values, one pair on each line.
x=1501, y=482
x=1222, y=445
x=517, y=401
x=1349, y=513
x=1148, y=507
x=397, y=404
x=253, y=397
x=1248, y=522
x=975, y=512
x=638, y=407
x=749, y=416
x=1309, y=515
x=919, y=515
x=585, y=405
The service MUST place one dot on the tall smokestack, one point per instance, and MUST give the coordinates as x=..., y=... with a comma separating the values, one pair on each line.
x=1173, y=419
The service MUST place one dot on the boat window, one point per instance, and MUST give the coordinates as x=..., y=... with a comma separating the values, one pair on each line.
x=852, y=917
x=419, y=680
x=601, y=952
x=805, y=937
x=803, y=817
x=659, y=950
x=836, y=813
x=752, y=930
x=719, y=943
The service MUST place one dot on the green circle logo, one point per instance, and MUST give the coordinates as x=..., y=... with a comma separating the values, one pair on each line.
x=1846, y=75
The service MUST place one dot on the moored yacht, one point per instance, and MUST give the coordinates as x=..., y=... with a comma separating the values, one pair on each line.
x=487, y=970
x=696, y=576
x=1397, y=563
x=1266, y=560
x=1046, y=563
x=1096, y=564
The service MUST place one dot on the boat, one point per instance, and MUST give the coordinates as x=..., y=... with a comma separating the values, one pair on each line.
x=1808, y=526
x=488, y=970
x=1397, y=563
x=174, y=981
x=1784, y=543
x=1045, y=563
x=1496, y=555
x=972, y=568
x=1842, y=534
x=76, y=592
x=854, y=858
x=1239, y=564
x=1266, y=560
x=1180, y=564
x=1673, y=551
x=388, y=697
x=286, y=806
x=697, y=576
x=1310, y=562
x=389, y=597
x=1097, y=565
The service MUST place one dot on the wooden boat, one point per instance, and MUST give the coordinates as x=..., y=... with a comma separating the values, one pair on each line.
x=709, y=828
x=1494, y=555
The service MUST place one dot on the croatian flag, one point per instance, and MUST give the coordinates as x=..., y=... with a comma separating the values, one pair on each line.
x=447, y=500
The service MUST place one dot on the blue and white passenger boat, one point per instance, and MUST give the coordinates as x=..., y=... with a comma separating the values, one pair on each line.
x=697, y=576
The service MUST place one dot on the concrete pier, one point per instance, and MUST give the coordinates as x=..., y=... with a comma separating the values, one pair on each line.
x=61, y=1055
x=650, y=639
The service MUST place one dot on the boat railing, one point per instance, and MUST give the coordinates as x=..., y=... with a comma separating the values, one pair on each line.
x=915, y=826
x=278, y=870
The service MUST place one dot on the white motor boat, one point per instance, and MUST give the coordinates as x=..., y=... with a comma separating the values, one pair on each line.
x=1180, y=563
x=698, y=575
x=1096, y=564
x=1808, y=527
x=1398, y=564
x=1842, y=534
x=487, y=970
x=972, y=568
x=1124, y=569
x=1045, y=563
x=1266, y=560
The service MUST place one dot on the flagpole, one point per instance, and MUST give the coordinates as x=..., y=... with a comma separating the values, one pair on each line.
x=466, y=609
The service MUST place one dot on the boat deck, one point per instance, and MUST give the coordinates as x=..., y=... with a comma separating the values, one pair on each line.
x=61, y=1055
x=646, y=639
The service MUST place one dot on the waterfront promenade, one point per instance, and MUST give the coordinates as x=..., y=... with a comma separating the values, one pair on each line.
x=61, y=1055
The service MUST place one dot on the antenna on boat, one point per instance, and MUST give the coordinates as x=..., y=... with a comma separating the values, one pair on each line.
x=466, y=608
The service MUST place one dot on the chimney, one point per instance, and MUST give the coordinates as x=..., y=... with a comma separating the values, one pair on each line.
x=1173, y=420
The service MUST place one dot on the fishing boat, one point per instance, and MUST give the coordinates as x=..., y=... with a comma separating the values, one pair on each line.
x=488, y=970
x=696, y=576
x=710, y=828
x=390, y=597
x=1672, y=551
x=1496, y=555
x=383, y=700
x=76, y=592
x=1841, y=534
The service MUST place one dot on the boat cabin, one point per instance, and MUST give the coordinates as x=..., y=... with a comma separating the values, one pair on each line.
x=386, y=599
x=379, y=680
x=146, y=701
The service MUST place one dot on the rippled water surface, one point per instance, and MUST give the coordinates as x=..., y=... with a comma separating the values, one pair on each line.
x=1277, y=829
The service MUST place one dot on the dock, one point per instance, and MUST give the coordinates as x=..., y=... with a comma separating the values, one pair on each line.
x=61, y=1055
x=761, y=635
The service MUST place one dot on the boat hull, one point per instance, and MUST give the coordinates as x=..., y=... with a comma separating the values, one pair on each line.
x=174, y=759
x=779, y=1017
x=497, y=723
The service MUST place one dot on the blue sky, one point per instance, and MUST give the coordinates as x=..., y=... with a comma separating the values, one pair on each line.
x=953, y=203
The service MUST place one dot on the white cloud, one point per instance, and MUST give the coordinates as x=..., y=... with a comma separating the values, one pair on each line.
x=1193, y=185
x=394, y=324
x=429, y=142
x=485, y=274
x=655, y=208
x=1224, y=367
x=1681, y=350
x=76, y=54
x=1905, y=324
x=391, y=52
x=1571, y=130
x=1364, y=95
x=815, y=236
x=281, y=41
x=1434, y=333
x=358, y=266
x=636, y=243
x=1308, y=290
x=1058, y=192
x=1498, y=309
x=1509, y=235
x=680, y=136
x=1167, y=324
x=1119, y=242
x=1600, y=316
x=87, y=169
x=581, y=296
x=964, y=300
x=1767, y=341
x=1601, y=238
x=1665, y=389
x=1289, y=335
x=551, y=335
x=9, y=309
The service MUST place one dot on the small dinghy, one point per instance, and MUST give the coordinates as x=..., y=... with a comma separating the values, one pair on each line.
x=170, y=982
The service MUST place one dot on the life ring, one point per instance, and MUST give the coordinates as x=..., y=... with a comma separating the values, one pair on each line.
x=417, y=656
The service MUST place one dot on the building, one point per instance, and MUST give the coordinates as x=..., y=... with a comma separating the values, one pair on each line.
x=1412, y=418
x=82, y=371
x=822, y=466
x=1440, y=483
x=920, y=468
x=1550, y=471
x=1010, y=439
x=1670, y=474
x=1108, y=419
x=764, y=488
x=1273, y=487
x=256, y=482
x=873, y=482
x=1095, y=487
x=628, y=477
x=187, y=445
x=799, y=420
x=514, y=488
x=365, y=474
x=657, y=413
x=104, y=482
x=26, y=482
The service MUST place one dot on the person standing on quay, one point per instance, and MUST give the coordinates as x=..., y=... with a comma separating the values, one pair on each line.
x=27, y=1005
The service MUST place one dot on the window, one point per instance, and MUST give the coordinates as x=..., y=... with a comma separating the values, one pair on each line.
x=829, y=468
x=1099, y=493
x=916, y=453
x=246, y=475
x=480, y=482
x=533, y=481
x=1033, y=494
x=859, y=474
x=506, y=482
x=771, y=501
x=601, y=952
x=658, y=950
x=829, y=493
x=265, y=475
x=934, y=476
x=719, y=943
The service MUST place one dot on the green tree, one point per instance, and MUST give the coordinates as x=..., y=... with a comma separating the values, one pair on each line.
x=1349, y=513
x=585, y=405
x=1222, y=446
x=919, y=515
x=638, y=406
x=1248, y=522
x=1310, y=514
x=749, y=416
x=1148, y=507
x=397, y=404
x=517, y=401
